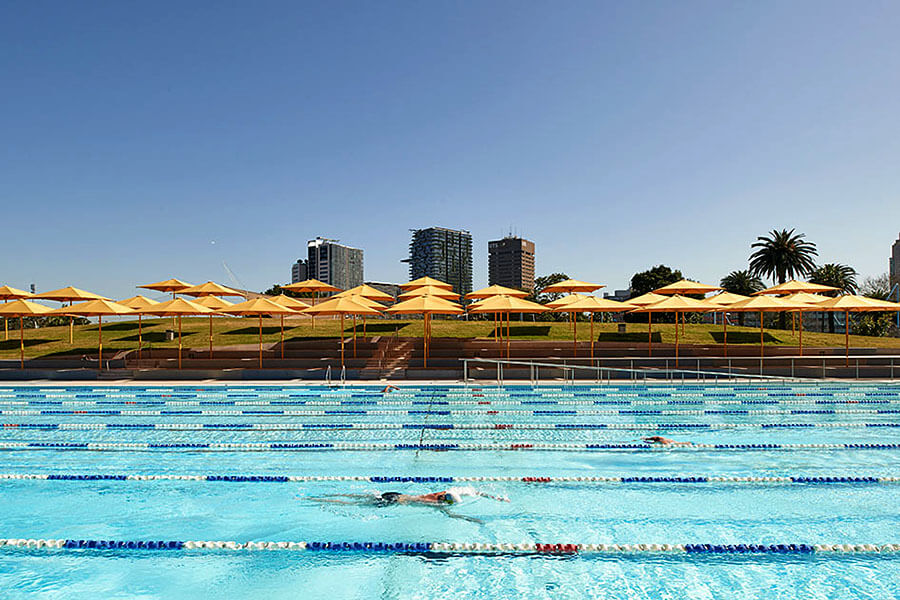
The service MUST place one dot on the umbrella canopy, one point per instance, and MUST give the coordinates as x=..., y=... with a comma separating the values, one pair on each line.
x=367, y=291
x=22, y=308
x=571, y=285
x=210, y=288
x=10, y=293
x=429, y=290
x=259, y=307
x=554, y=304
x=311, y=285
x=177, y=307
x=506, y=305
x=496, y=290
x=793, y=286
x=99, y=309
x=213, y=302
x=672, y=304
x=423, y=281
x=169, y=285
x=725, y=299
x=805, y=298
x=68, y=294
x=426, y=306
x=848, y=304
x=344, y=305
x=686, y=286
x=137, y=303
x=577, y=303
x=289, y=302
x=645, y=299
x=762, y=304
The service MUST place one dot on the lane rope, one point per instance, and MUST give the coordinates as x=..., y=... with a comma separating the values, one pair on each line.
x=438, y=412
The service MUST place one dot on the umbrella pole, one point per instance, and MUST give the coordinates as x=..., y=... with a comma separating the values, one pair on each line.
x=140, y=336
x=6, y=328
x=210, y=336
x=801, y=334
x=676, y=338
x=364, y=327
x=282, y=336
x=354, y=335
x=592, y=336
x=725, y=332
x=761, y=335
x=847, y=336
x=649, y=334
x=21, y=342
x=71, y=328
x=425, y=342
x=260, y=341
x=178, y=318
x=100, y=341
x=342, y=340
x=508, y=315
x=574, y=336
x=316, y=295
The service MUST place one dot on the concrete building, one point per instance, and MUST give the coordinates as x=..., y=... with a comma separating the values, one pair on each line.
x=334, y=264
x=895, y=263
x=618, y=295
x=444, y=254
x=388, y=288
x=299, y=271
x=511, y=263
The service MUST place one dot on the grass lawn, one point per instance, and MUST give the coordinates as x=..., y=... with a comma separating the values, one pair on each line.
x=121, y=335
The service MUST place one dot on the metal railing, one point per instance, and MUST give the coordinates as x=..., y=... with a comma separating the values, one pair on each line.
x=667, y=371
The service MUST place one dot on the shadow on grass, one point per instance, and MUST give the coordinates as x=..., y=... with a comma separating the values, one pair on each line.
x=376, y=328
x=255, y=330
x=155, y=337
x=744, y=337
x=522, y=331
x=122, y=326
x=634, y=337
x=13, y=343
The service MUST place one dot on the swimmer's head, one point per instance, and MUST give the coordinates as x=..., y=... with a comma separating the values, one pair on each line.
x=450, y=498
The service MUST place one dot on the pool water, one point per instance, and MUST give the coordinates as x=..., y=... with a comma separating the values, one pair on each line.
x=827, y=430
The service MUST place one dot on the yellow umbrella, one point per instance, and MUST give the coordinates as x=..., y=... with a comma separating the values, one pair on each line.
x=507, y=305
x=367, y=291
x=259, y=307
x=287, y=302
x=423, y=281
x=215, y=303
x=178, y=308
x=645, y=299
x=848, y=304
x=425, y=306
x=96, y=308
x=210, y=288
x=793, y=286
x=138, y=302
x=313, y=286
x=169, y=285
x=68, y=294
x=496, y=290
x=590, y=304
x=686, y=287
x=22, y=309
x=724, y=299
x=429, y=290
x=571, y=286
x=365, y=301
x=762, y=304
x=342, y=306
x=10, y=293
x=677, y=304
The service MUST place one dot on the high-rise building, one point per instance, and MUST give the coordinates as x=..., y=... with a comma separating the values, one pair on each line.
x=511, y=263
x=392, y=289
x=299, y=271
x=895, y=263
x=334, y=264
x=444, y=254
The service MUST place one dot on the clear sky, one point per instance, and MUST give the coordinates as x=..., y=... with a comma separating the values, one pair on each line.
x=145, y=140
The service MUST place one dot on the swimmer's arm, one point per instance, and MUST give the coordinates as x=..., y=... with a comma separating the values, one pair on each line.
x=453, y=515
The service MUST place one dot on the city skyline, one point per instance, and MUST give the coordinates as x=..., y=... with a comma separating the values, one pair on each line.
x=616, y=137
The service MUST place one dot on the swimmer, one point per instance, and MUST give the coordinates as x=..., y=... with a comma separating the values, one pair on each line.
x=658, y=439
x=390, y=388
x=440, y=500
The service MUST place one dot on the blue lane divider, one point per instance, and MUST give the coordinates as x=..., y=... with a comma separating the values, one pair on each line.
x=448, y=547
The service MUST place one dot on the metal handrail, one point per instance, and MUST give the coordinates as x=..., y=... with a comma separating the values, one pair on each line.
x=328, y=374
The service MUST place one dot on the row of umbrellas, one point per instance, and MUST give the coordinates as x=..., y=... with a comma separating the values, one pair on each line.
x=427, y=296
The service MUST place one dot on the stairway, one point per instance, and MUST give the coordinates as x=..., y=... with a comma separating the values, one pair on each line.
x=389, y=359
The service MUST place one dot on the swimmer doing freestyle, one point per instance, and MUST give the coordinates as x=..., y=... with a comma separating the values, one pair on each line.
x=439, y=500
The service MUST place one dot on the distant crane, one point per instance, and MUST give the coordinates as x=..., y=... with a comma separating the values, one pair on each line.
x=234, y=279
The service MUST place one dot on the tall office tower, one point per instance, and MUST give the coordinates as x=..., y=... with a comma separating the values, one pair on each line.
x=511, y=263
x=444, y=254
x=334, y=264
x=299, y=272
x=895, y=263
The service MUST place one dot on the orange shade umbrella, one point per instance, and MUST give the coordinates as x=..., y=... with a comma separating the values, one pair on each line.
x=762, y=304
x=645, y=299
x=138, y=302
x=210, y=288
x=507, y=305
x=99, y=309
x=313, y=286
x=686, y=287
x=673, y=304
x=345, y=305
x=793, y=286
x=69, y=294
x=259, y=307
x=423, y=281
x=178, y=308
x=287, y=302
x=429, y=290
x=571, y=286
x=367, y=291
x=22, y=309
x=847, y=304
x=216, y=303
x=496, y=290
x=425, y=306
x=588, y=304
x=10, y=293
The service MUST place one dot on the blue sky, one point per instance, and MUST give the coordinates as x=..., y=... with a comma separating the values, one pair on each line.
x=148, y=140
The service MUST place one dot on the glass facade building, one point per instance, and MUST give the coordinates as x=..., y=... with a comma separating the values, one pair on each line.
x=444, y=254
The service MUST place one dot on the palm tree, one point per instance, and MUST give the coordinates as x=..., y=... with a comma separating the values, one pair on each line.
x=741, y=282
x=780, y=255
x=843, y=277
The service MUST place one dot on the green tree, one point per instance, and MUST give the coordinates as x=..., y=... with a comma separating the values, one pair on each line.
x=540, y=297
x=836, y=275
x=878, y=287
x=277, y=290
x=780, y=255
x=655, y=278
x=743, y=283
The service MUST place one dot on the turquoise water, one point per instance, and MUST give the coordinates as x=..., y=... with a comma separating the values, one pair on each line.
x=571, y=512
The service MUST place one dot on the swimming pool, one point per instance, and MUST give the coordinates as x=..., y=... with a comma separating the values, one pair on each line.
x=777, y=475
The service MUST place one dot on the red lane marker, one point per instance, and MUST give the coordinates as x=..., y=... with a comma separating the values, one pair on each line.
x=10, y=424
x=521, y=446
x=492, y=412
x=484, y=402
x=499, y=426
